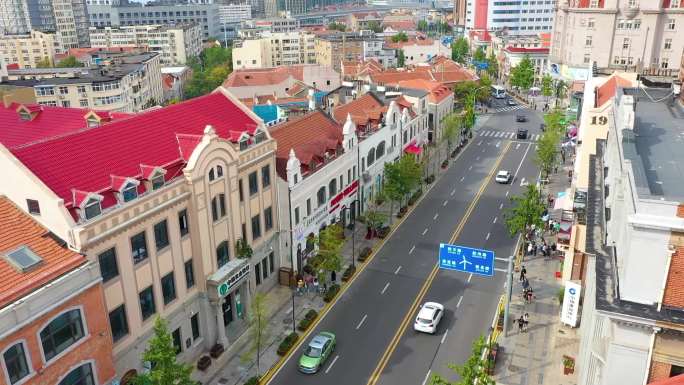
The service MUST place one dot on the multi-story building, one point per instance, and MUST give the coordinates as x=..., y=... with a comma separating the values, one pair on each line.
x=632, y=312
x=359, y=21
x=377, y=50
x=421, y=50
x=280, y=82
x=160, y=200
x=439, y=69
x=175, y=44
x=333, y=49
x=53, y=320
x=275, y=49
x=68, y=19
x=234, y=13
x=516, y=17
x=207, y=16
x=27, y=51
x=126, y=83
x=440, y=103
x=617, y=34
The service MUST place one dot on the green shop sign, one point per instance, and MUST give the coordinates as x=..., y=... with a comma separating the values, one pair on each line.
x=225, y=286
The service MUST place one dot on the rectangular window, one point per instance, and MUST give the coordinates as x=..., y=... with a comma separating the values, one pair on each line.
x=244, y=231
x=183, y=222
x=587, y=58
x=668, y=44
x=33, y=206
x=591, y=23
x=271, y=262
x=256, y=227
x=222, y=254
x=253, y=183
x=625, y=43
x=147, y=307
x=264, y=267
x=108, y=266
x=257, y=273
x=176, y=335
x=242, y=196
x=664, y=63
x=308, y=207
x=138, y=247
x=118, y=323
x=168, y=284
x=268, y=219
x=194, y=323
x=671, y=24
x=189, y=275
x=15, y=362
x=222, y=205
x=265, y=176
x=296, y=215
x=161, y=235
x=83, y=102
x=588, y=41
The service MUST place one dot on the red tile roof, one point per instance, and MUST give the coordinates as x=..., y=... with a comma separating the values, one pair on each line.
x=540, y=50
x=263, y=76
x=410, y=42
x=18, y=229
x=400, y=25
x=436, y=91
x=676, y=380
x=391, y=77
x=365, y=110
x=85, y=160
x=441, y=69
x=48, y=122
x=359, y=68
x=607, y=90
x=310, y=136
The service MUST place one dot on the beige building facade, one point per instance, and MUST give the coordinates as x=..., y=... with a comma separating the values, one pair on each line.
x=175, y=43
x=28, y=50
x=618, y=34
x=165, y=235
x=275, y=49
x=332, y=50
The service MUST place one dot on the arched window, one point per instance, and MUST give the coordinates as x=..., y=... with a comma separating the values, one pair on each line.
x=129, y=192
x=211, y=175
x=16, y=363
x=83, y=375
x=222, y=253
x=380, y=150
x=321, y=196
x=219, y=171
x=92, y=208
x=332, y=187
x=62, y=332
x=370, y=159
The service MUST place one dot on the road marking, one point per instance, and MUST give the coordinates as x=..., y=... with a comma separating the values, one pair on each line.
x=397, y=270
x=362, y=321
x=385, y=288
x=470, y=277
x=501, y=206
x=483, y=150
x=445, y=203
x=522, y=182
x=459, y=302
x=435, y=217
x=332, y=363
x=453, y=192
x=471, y=167
x=480, y=142
x=445, y=335
x=477, y=158
x=517, y=146
x=288, y=311
x=507, y=192
x=387, y=354
x=495, y=218
x=425, y=231
x=427, y=375
x=487, y=237
x=498, y=144
x=411, y=251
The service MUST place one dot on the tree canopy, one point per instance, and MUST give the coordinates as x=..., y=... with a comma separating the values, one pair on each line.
x=337, y=27
x=401, y=59
x=330, y=242
x=400, y=37
x=460, y=50
x=473, y=371
x=374, y=26
x=526, y=210
x=522, y=75
x=209, y=71
x=480, y=55
x=493, y=68
x=422, y=26
x=44, y=63
x=547, y=85
x=401, y=177
x=69, y=62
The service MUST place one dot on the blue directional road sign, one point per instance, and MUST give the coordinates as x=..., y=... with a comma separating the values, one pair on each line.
x=466, y=259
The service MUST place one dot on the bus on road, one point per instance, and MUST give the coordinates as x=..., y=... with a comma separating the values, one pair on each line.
x=498, y=92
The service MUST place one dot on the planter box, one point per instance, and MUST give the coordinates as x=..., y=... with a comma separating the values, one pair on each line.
x=203, y=363
x=216, y=351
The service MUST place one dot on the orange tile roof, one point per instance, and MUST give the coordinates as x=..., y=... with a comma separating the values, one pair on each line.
x=361, y=68
x=607, y=90
x=364, y=110
x=392, y=78
x=263, y=76
x=17, y=229
x=402, y=44
x=436, y=91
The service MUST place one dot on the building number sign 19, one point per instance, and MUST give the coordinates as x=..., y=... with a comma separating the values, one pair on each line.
x=600, y=120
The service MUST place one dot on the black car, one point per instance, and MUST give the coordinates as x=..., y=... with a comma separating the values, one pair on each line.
x=520, y=118
x=522, y=133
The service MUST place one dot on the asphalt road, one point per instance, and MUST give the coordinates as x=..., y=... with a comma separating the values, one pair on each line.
x=368, y=315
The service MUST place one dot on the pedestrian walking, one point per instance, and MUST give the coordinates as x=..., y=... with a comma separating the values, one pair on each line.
x=526, y=321
x=523, y=273
x=526, y=284
x=300, y=286
x=521, y=324
x=316, y=285
x=529, y=248
x=529, y=295
x=333, y=277
x=534, y=249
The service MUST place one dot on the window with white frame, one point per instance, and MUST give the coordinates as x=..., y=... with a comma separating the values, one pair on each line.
x=16, y=362
x=591, y=22
x=157, y=181
x=674, y=3
x=92, y=208
x=61, y=333
x=633, y=3
x=668, y=44
x=588, y=41
x=670, y=24
x=587, y=58
x=593, y=3
x=129, y=192
x=625, y=43
x=82, y=375
x=665, y=63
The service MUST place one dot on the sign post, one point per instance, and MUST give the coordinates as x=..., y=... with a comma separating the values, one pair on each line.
x=571, y=303
x=509, y=294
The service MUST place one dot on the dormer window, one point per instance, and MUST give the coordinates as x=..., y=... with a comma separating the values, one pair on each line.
x=24, y=115
x=244, y=143
x=129, y=192
x=158, y=182
x=259, y=137
x=93, y=121
x=92, y=208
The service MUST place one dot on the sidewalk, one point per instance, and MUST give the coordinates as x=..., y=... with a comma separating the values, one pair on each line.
x=535, y=356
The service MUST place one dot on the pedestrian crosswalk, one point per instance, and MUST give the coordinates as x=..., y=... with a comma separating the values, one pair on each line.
x=509, y=108
x=506, y=135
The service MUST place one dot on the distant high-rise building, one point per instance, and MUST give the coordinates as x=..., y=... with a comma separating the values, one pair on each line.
x=516, y=17
x=459, y=12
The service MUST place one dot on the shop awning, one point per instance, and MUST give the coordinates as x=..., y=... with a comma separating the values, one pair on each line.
x=413, y=149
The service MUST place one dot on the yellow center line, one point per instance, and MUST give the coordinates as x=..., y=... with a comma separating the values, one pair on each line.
x=423, y=290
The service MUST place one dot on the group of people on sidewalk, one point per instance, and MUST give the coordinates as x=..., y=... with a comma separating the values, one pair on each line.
x=307, y=283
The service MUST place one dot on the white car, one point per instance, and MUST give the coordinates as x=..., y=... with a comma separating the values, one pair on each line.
x=428, y=317
x=503, y=176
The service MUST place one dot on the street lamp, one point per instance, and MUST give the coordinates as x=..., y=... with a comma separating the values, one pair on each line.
x=353, y=227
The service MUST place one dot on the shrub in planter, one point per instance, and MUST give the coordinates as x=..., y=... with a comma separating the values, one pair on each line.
x=445, y=164
x=414, y=198
x=379, y=200
x=304, y=324
x=363, y=255
x=287, y=343
x=402, y=212
x=348, y=273
x=383, y=231
x=216, y=351
x=561, y=295
x=203, y=363
x=252, y=381
x=331, y=293
x=311, y=314
x=430, y=179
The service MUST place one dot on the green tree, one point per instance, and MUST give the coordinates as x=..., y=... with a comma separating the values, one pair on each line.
x=401, y=59
x=453, y=124
x=44, y=63
x=243, y=249
x=526, y=210
x=374, y=26
x=400, y=37
x=210, y=70
x=522, y=75
x=401, y=178
x=480, y=55
x=547, y=88
x=337, y=27
x=493, y=67
x=422, y=26
x=330, y=242
x=460, y=50
x=560, y=91
x=69, y=62
x=547, y=150
x=472, y=372
x=161, y=354
x=259, y=332
x=553, y=120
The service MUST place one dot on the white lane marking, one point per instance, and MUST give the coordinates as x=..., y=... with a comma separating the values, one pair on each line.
x=480, y=142
x=517, y=146
x=427, y=375
x=435, y=217
x=484, y=149
x=445, y=203
x=495, y=218
x=459, y=302
x=507, y=192
x=477, y=158
x=411, y=251
x=469, y=168
x=521, y=161
x=501, y=206
x=425, y=231
x=498, y=144
x=288, y=311
x=362, y=321
x=481, y=134
x=522, y=182
x=470, y=277
x=487, y=237
x=463, y=176
x=444, y=336
x=397, y=270
x=453, y=192
x=385, y=288
x=332, y=363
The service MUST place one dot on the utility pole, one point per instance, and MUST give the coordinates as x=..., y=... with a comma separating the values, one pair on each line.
x=509, y=294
